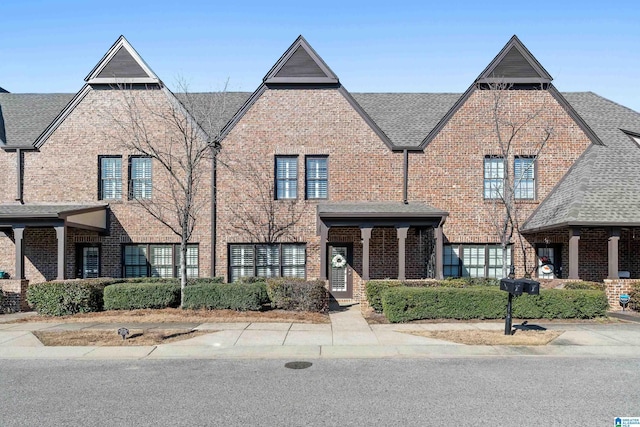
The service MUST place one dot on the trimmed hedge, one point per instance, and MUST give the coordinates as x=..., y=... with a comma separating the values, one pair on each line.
x=634, y=297
x=67, y=297
x=232, y=296
x=298, y=295
x=594, y=286
x=374, y=290
x=131, y=296
x=403, y=304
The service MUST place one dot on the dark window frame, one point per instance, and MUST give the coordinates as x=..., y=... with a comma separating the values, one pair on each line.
x=130, y=180
x=80, y=258
x=461, y=253
x=493, y=194
x=255, y=266
x=276, y=179
x=306, y=176
x=100, y=180
x=534, y=166
x=175, y=258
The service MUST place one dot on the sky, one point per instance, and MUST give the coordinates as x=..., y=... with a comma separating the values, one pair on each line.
x=49, y=46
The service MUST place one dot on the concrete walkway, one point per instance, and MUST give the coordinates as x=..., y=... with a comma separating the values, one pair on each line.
x=348, y=336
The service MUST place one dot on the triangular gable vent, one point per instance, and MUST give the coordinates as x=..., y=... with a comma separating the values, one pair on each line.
x=300, y=64
x=514, y=64
x=121, y=64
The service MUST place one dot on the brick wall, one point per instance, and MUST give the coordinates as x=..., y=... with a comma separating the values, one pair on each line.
x=615, y=288
x=65, y=170
x=15, y=295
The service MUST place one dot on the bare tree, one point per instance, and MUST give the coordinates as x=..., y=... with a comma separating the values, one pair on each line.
x=256, y=212
x=515, y=130
x=178, y=133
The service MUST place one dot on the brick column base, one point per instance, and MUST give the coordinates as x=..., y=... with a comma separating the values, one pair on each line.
x=615, y=288
x=15, y=295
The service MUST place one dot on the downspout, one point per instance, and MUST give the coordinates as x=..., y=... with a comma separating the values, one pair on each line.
x=405, y=190
x=19, y=175
x=213, y=212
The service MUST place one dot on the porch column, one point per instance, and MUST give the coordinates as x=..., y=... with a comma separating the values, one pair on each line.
x=614, y=238
x=61, y=235
x=324, y=236
x=439, y=251
x=365, y=233
x=402, y=255
x=18, y=235
x=574, y=240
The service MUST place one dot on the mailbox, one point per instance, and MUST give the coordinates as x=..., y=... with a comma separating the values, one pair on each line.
x=519, y=286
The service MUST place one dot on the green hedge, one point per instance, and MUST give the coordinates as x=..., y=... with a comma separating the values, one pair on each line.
x=233, y=296
x=594, y=286
x=374, y=290
x=67, y=297
x=634, y=297
x=403, y=304
x=298, y=295
x=132, y=295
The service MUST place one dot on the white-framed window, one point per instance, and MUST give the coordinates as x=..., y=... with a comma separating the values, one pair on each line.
x=158, y=260
x=267, y=260
x=493, y=177
x=524, y=170
x=140, y=177
x=472, y=260
x=317, y=177
x=286, y=177
x=110, y=172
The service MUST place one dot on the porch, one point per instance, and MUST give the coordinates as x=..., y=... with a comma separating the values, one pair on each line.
x=360, y=241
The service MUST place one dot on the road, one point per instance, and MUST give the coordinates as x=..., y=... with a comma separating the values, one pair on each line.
x=516, y=391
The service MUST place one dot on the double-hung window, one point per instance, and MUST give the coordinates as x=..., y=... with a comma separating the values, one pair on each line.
x=139, y=177
x=161, y=260
x=475, y=260
x=286, y=177
x=493, y=177
x=267, y=260
x=110, y=172
x=317, y=177
x=524, y=176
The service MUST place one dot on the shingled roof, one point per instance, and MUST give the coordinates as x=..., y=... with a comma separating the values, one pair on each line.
x=24, y=116
x=603, y=186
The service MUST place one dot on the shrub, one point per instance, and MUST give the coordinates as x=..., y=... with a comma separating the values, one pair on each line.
x=66, y=297
x=594, y=286
x=204, y=280
x=634, y=297
x=374, y=290
x=133, y=295
x=232, y=296
x=402, y=304
x=298, y=295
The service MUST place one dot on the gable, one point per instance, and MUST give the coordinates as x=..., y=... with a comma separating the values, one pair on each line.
x=514, y=64
x=121, y=64
x=300, y=64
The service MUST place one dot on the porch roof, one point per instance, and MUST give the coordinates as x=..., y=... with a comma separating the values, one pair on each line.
x=380, y=213
x=87, y=216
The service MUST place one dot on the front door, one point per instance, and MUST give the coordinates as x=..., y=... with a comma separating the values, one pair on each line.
x=87, y=262
x=549, y=261
x=340, y=270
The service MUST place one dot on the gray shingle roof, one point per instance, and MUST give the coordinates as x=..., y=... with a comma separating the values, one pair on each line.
x=44, y=211
x=603, y=186
x=24, y=116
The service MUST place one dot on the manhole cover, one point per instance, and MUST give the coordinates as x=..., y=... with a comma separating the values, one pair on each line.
x=298, y=365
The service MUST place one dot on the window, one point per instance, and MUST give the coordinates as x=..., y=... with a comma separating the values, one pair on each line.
x=493, y=177
x=110, y=184
x=286, y=177
x=267, y=260
x=316, y=178
x=139, y=177
x=524, y=174
x=146, y=260
x=474, y=260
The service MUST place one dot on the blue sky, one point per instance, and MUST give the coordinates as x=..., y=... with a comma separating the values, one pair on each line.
x=50, y=46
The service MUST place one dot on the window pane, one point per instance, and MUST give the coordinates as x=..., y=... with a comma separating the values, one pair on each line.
x=192, y=261
x=135, y=261
x=111, y=177
x=317, y=178
x=493, y=177
x=451, y=261
x=241, y=260
x=140, y=178
x=286, y=177
x=162, y=261
x=524, y=173
x=473, y=261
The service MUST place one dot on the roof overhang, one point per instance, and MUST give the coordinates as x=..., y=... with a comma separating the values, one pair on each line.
x=87, y=217
x=381, y=214
x=581, y=224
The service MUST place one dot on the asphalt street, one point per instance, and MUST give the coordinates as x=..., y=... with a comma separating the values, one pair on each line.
x=496, y=391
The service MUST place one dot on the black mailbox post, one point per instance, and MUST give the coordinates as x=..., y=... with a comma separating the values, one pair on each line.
x=517, y=287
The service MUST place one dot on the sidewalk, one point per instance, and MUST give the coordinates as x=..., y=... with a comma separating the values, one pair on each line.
x=348, y=336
